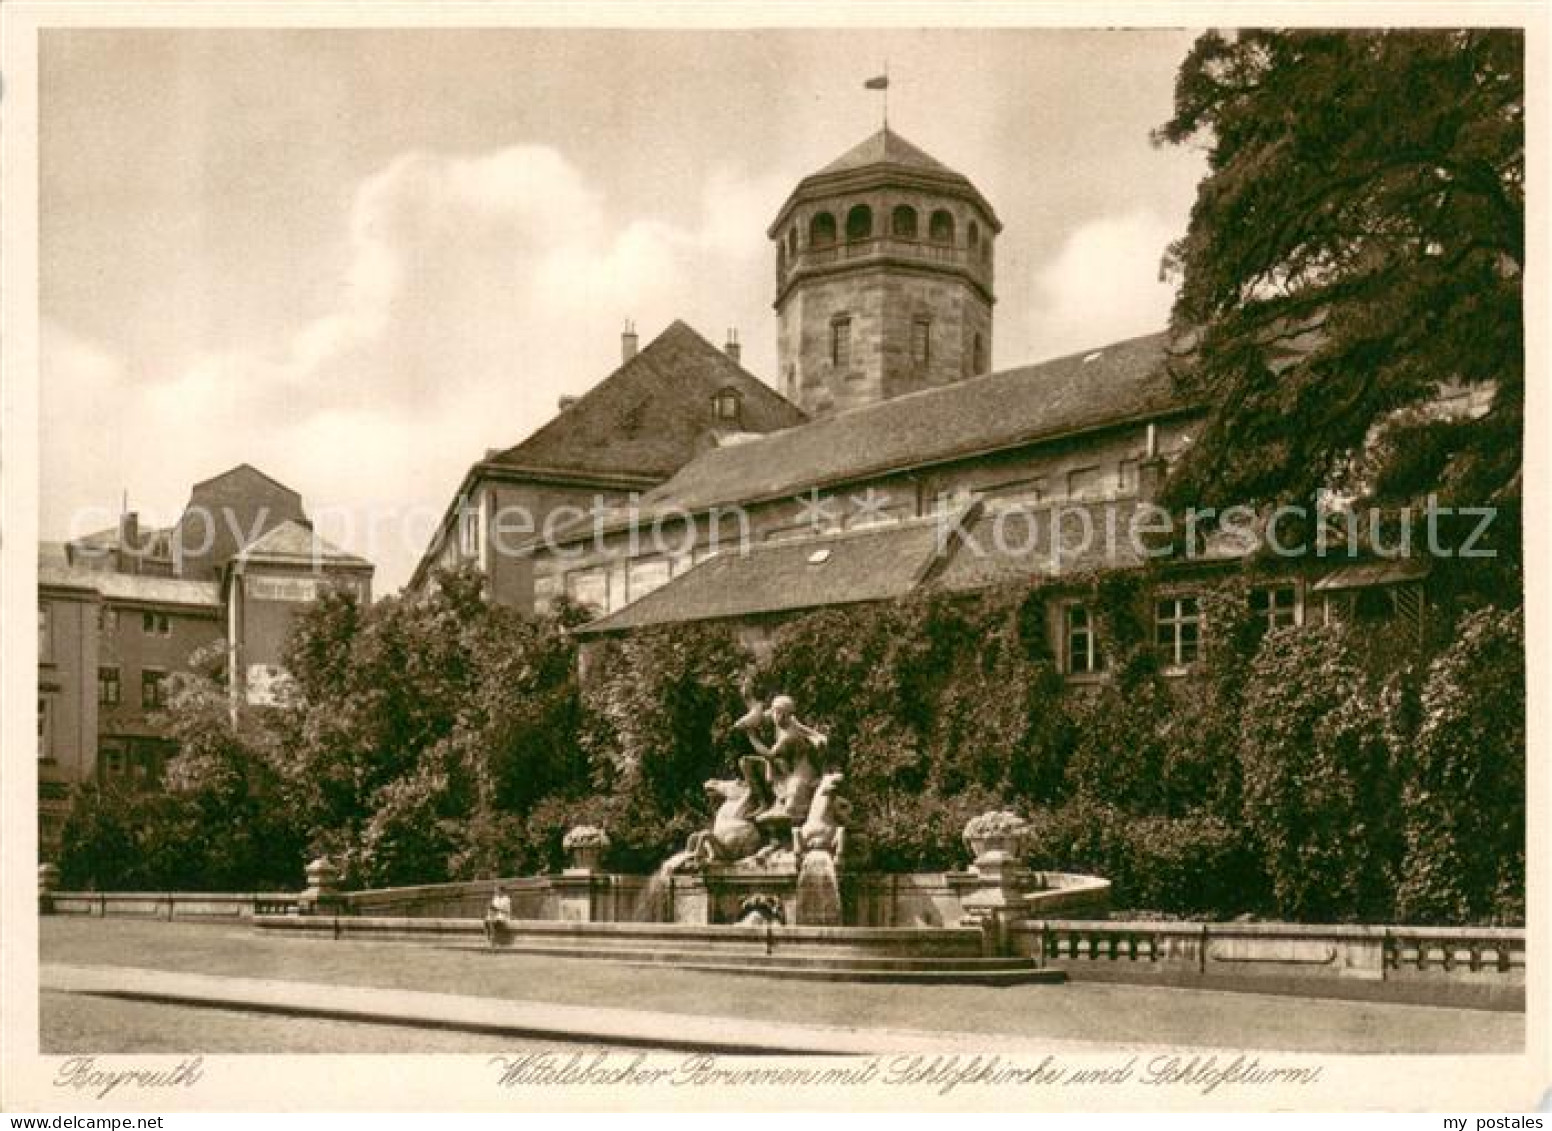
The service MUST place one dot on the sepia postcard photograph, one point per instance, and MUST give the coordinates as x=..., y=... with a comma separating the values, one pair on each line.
x=821, y=557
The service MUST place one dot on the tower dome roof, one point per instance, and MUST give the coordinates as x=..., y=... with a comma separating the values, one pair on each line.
x=885, y=158
x=888, y=148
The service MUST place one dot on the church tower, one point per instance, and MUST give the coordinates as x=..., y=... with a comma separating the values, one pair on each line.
x=883, y=278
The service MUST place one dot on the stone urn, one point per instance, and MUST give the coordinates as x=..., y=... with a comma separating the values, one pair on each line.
x=322, y=895
x=585, y=846
x=996, y=838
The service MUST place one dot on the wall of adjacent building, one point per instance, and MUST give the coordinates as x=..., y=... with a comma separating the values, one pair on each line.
x=67, y=697
x=131, y=747
x=268, y=597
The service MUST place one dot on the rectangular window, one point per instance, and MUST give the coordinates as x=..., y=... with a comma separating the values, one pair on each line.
x=151, y=693
x=645, y=576
x=921, y=341
x=1178, y=631
x=1083, y=654
x=840, y=343
x=1277, y=606
x=108, y=686
x=45, y=636
x=589, y=587
x=155, y=624
x=114, y=762
x=45, y=748
x=107, y=621
x=468, y=529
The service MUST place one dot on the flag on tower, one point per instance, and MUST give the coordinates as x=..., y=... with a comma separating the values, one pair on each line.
x=879, y=83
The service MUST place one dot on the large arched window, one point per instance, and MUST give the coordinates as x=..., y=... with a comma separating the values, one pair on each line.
x=859, y=223
x=940, y=229
x=821, y=230
x=903, y=223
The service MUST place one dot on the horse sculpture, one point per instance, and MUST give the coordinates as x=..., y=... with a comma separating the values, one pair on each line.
x=733, y=834
x=821, y=831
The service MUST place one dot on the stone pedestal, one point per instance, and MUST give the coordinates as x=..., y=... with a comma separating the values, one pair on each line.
x=574, y=891
x=727, y=888
x=996, y=899
x=323, y=896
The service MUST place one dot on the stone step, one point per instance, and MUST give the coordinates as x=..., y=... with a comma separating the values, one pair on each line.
x=838, y=961
x=837, y=968
x=837, y=942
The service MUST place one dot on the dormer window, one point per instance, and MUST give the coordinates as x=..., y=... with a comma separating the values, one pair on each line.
x=727, y=406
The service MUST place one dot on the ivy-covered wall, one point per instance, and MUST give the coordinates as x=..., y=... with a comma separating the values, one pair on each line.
x=1303, y=773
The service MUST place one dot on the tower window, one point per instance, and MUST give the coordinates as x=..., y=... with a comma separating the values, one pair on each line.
x=903, y=223
x=940, y=229
x=921, y=341
x=977, y=355
x=792, y=240
x=859, y=223
x=840, y=343
x=973, y=236
x=821, y=230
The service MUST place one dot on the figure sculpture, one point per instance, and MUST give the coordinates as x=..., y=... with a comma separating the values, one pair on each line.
x=784, y=803
x=791, y=766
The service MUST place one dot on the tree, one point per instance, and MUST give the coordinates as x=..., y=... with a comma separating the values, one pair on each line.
x=1357, y=246
x=1463, y=803
x=1318, y=792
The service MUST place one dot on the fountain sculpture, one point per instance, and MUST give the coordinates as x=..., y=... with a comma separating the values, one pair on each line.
x=776, y=828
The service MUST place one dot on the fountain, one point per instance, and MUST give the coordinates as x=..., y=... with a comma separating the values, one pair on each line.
x=765, y=889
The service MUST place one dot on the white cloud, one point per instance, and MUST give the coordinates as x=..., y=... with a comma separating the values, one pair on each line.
x=477, y=290
x=1102, y=286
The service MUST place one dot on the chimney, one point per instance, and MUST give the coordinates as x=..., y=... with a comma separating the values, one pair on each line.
x=129, y=542
x=628, y=342
x=1151, y=472
x=732, y=348
x=566, y=402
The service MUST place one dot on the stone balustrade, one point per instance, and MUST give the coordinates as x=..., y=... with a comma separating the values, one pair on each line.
x=1477, y=966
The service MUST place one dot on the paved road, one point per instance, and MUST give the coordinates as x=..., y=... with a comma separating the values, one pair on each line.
x=1079, y=1013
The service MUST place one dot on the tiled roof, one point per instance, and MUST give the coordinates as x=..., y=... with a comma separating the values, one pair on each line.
x=773, y=577
x=113, y=586
x=1016, y=543
x=651, y=415
x=887, y=148
x=293, y=542
x=1122, y=381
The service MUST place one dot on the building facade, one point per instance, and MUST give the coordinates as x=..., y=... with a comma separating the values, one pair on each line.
x=122, y=611
x=908, y=463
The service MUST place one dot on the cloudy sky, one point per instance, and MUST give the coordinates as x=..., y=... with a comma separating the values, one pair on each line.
x=357, y=260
